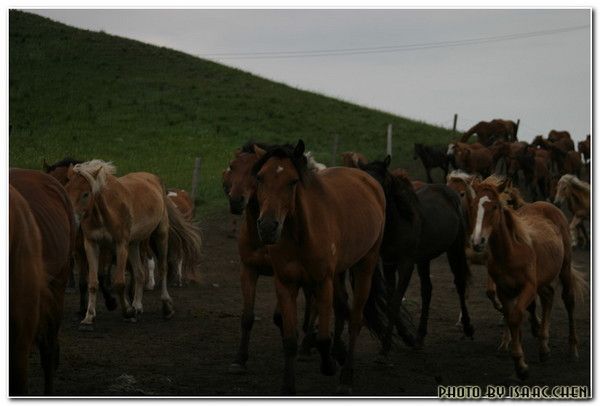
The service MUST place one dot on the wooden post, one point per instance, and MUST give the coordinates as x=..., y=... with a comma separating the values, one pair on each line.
x=517, y=129
x=455, y=120
x=334, y=149
x=389, y=140
x=196, y=180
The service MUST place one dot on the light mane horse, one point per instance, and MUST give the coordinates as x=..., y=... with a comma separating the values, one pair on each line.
x=529, y=250
x=121, y=213
x=576, y=194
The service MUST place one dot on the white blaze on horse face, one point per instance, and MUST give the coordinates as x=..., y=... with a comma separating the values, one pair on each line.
x=479, y=220
x=450, y=150
x=279, y=169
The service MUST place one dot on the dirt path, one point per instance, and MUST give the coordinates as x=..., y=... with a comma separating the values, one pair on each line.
x=189, y=355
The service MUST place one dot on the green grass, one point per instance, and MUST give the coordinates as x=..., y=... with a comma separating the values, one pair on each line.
x=91, y=95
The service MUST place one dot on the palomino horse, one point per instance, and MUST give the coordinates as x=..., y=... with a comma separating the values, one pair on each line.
x=528, y=250
x=240, y=187
x=59, y=171
x=121, y=213
x=419, y=227
x=316, y=226
x=54, y=232
x=576, y=194
x=432, y=157
x=351, y=159
x=488, y=132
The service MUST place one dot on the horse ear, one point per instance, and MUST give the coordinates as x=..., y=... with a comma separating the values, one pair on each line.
x=387, y=161
x=299, y=148
x=259, y=151
x=502, y=186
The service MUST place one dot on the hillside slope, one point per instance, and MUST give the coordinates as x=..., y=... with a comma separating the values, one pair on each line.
x=92, y=95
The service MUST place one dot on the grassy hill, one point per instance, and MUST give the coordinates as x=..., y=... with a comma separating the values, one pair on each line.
x=91, y=95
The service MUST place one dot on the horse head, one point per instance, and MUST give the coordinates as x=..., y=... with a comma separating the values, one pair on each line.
x=486, y=213
x=85, y=181
x=278, y=172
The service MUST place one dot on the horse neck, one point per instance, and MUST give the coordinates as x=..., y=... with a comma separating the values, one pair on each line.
x=100, y=210
x=298, y=223
x=502, y=244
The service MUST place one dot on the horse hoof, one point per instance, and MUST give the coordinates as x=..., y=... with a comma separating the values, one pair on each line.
x=167, y=310
x=86, y=327
x=544, y=355
x=469, y=331
x=344, y=389
x=129, y=313
x=237, y=369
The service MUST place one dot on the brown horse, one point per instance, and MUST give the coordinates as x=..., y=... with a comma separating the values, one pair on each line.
x=240, y=187
x=576, y=194
x=562, y=139
x=50, y=208
x=315, y=227
x=351, y=159
x=584, y=148
x=472, y=158
x=182, y=200
x=59, y=171
x=529, y=249
x=488, y=132
x=121, y=213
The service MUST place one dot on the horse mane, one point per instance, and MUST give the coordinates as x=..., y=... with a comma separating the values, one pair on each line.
x=575, y=182
x=65, y=162
x=95, y=171
x=463, y=177
x=284, y=151
x=312, y=164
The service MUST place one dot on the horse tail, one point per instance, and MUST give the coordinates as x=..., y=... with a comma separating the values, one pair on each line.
x=184, y=240
x=578, y=286
x=376, y=311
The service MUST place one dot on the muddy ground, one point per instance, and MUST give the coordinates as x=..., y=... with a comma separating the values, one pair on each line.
x=190, y=354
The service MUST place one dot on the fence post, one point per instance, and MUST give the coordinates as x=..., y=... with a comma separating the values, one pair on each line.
x=196, y=180
x=517, y=129
x=455, y=119
x=389, y=140
x=334, y=149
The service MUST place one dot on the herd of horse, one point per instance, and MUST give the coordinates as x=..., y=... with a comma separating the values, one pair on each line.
x=349, y=237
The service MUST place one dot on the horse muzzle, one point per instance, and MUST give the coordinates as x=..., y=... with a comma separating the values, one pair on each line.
x=478, y=246
x=269, y=230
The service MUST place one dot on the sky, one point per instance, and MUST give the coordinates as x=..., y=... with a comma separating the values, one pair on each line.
x=543, y=80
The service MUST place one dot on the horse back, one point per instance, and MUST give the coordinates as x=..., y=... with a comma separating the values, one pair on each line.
x=53, y=214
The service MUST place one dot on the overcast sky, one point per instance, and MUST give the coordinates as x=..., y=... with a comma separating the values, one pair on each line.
x=544, y=79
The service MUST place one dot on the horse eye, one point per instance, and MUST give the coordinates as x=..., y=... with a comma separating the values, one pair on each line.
x=85, y=195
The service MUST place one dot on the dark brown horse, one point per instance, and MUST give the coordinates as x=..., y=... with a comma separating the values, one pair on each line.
x=51, y=209
x=420, y=226
x=240, y=187
x=488, y=132
x=315, y=227
x=584, y=148
x=432, y=157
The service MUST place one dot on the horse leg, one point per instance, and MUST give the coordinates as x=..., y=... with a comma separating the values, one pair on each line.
x=82, y=265
x=426, y=288
x=389, y=275
x=104, y=267
x=49, y=352
x=119, y=281
x=363, y=275
x=18, y=362
x=546, y=297
x=405, y=271
x=248, y=278
x=490, y=292
x=460, y=268
x=92, y=252
x=341, y=313
x=286, y=297
x=138, y=276
x=308, y=326
x=568, y=297
x=514, y=317
x=324, y=301
x=429, y=179
x=161, y=242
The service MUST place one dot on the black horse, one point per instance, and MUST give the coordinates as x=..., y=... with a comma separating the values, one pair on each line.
x=420, y=226
x=432, y=157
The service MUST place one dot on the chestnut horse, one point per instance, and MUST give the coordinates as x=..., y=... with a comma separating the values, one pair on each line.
x=121, y=213
x=488, y=132
x=472, y=158
x=576, y=194
x=59, y=171
x=351, y=159
x=316, y=226
x=42, y=206
x=240, y=187
x=419, y=227
x=529, y=249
